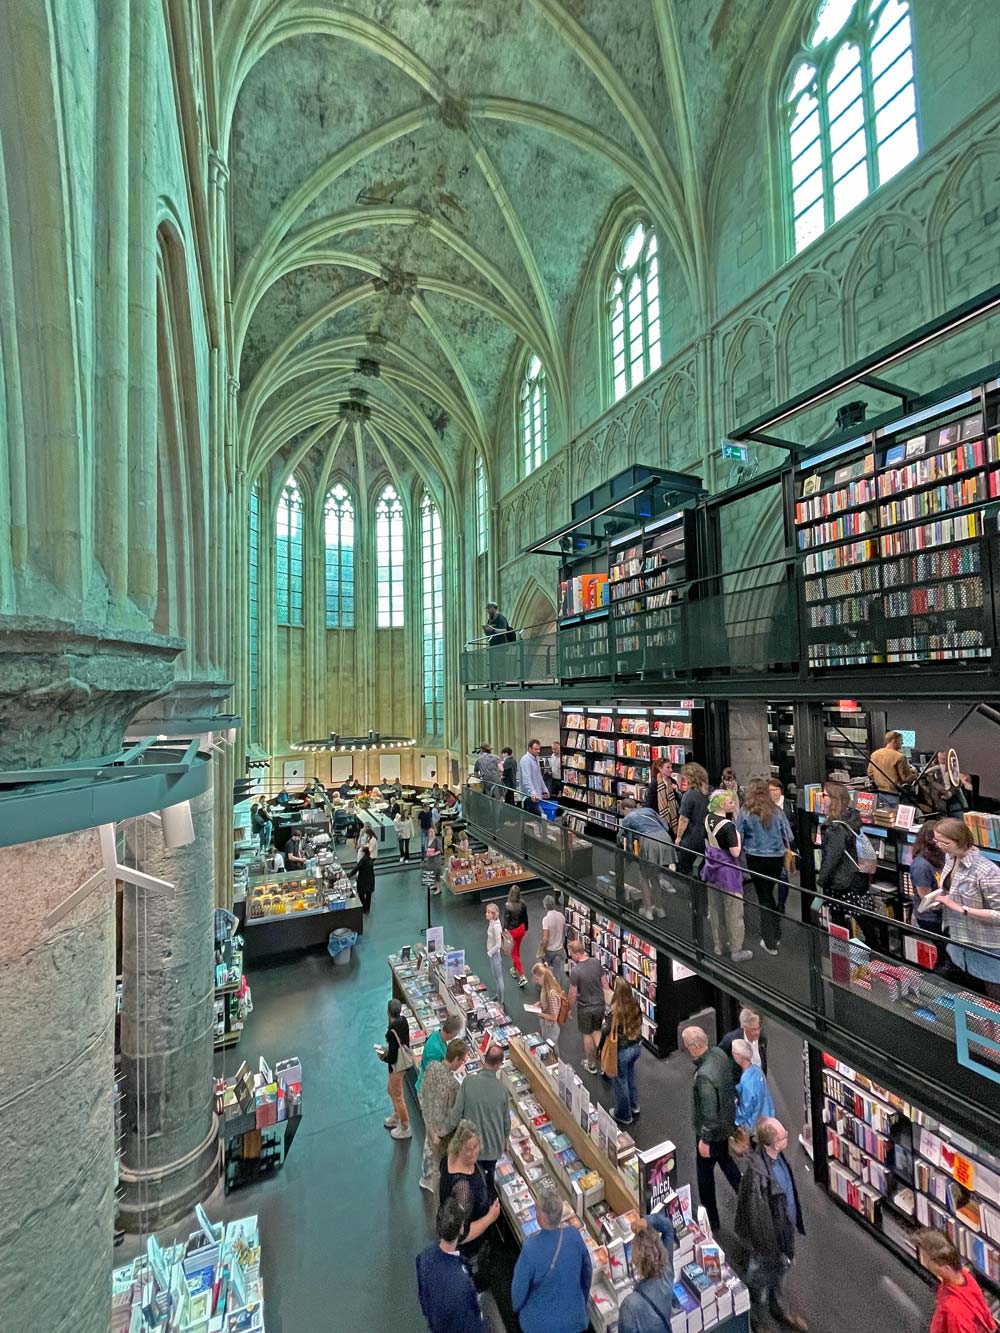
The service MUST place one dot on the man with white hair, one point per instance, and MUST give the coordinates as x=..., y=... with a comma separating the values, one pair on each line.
x=714, y=1117
x=753, y=1096
x=551, y=1283
x=750, y=1029
x=768, y=1217
x=552, y=950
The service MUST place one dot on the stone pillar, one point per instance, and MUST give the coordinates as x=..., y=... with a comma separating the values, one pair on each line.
x=171, y=1152
x=57, y=987
x=66, y=692
x=748, y=743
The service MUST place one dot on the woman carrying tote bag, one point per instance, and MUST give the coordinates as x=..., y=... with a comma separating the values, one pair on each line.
x=397, y=1055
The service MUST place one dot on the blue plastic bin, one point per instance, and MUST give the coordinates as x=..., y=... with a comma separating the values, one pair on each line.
x=339, y=945
x=548, y=808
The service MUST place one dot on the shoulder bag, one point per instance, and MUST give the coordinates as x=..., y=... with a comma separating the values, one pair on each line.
x=609, y=1051
x=865, y=856
x=548, y=1271
x=564, y=1009
x=507, y=943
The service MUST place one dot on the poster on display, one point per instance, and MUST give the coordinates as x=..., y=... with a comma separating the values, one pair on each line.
x=607, y=1133
x=566, y=1081
x=435, y=940
x=341, y=768
x=581, y=1106
x=454, y=964
x=655, y=1168
x=388, y=767
x=293, y=771
x=428, y=767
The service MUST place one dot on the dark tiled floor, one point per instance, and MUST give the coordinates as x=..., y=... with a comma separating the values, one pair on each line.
x=342, y=1222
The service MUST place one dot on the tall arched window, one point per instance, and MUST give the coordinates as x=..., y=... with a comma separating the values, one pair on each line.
x=482, y=507
x=288, y=556
x=534, y=416
x=389, y=559
x=338, y=522
x=254, y=583
x=432, y=574
x=849, y=111
x=634, y=310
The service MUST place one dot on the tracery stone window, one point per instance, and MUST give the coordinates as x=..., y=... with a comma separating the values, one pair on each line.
x=254, y=599
x=389, y=560
x=432, y=574
x=534, y=416
x=288, y=555
x=633, y=310
x=338, y=523
x=848, y=111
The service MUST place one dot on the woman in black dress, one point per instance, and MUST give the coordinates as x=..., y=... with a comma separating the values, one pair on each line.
x=365, y=872
x=462, y=1179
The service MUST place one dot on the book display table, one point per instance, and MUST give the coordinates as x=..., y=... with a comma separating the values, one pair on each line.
x=602, y=1178
x=259, y=1116
x=472, y=872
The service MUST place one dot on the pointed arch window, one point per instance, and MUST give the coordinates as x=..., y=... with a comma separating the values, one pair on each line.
x=482, y=508
x=534, y=416
x=849, y=112
x=288, y=555
x=254, y=595
x=633, y=310
x=338, y=527
x=389, y=559
x=432, y=579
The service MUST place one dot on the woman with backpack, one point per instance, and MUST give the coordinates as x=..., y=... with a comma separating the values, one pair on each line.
x=722, y=869
x=844, y=872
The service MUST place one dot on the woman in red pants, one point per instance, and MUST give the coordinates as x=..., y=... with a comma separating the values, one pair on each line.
x=515, y=920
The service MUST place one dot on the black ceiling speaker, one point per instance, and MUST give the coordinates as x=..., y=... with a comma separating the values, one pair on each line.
x=851, y=414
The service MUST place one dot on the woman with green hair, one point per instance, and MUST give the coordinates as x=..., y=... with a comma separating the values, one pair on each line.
x=721, y=870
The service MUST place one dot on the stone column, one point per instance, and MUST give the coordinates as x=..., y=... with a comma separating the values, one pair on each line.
x=66, y=692
x=57, y=987
x=748, y=741
x=171, y=1152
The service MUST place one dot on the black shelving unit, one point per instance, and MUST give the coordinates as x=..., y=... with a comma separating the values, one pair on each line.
x=893, y=545
x=649, y=574
x=781, y=742
x=667, y=992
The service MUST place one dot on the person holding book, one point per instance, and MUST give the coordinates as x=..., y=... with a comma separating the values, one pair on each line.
x=437, y=1096
x=462, y=1179
x=927, y=864
x=768, y=1218
x=971, y=901
x=713, y=1096
x=960, y=1306
x=647, y=1307
x=437, y=1043
x=445, y=1288
x=550, y=998
x=552, y=1275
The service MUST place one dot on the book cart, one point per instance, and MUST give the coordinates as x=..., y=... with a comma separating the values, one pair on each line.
x=228, y=1013
x=894, y=1168
x=560, y=1140
x=259, y=1117
x=667, y=992
x=893, y=539
x=608, y=754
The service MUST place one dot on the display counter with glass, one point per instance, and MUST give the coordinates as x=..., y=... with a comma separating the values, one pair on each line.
x=292, y=911
x=383, y=828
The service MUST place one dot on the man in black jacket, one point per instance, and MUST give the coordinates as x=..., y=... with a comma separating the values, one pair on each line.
x=508, y=770
x=767, y=1218
x=751, y=1030
x=714, y=1116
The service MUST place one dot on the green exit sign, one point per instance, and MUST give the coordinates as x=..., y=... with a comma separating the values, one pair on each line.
x=740, y=452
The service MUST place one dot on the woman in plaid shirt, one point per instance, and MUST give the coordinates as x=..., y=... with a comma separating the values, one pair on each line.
x=971, y=902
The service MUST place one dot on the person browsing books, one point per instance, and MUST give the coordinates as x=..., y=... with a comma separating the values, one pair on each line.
x=444, y=1286
x=397, y=1055
x=485, y=1101
x=647, y=1308
x=713, y=1098
x=960, y=1306
x=889, y=769
x=586, y=991
x=437, y=1043
x=971, y=903
x=552, y=950
x=753, y=1097
x=550, y=998
x=437, y=1096
x=751, y=1030
x=462, y=1179
x=552, y=1275
x=768, y=1218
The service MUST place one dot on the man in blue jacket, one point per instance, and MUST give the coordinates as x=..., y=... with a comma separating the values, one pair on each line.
x=552, y=1275
x=447, y=1295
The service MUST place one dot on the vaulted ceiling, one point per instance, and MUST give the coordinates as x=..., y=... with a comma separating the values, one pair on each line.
x=419, y=184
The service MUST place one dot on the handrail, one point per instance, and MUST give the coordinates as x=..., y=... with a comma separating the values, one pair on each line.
x=863, y=1006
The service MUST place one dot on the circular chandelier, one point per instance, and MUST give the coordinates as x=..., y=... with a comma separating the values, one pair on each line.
x=355, y=744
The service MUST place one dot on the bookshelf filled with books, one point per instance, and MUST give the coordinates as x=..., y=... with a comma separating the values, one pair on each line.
x=781, y=742
x=849, y=740
x=608, y=754
x=891, y=535
x=663, y=987
x=898, y=1168
x=648, y=576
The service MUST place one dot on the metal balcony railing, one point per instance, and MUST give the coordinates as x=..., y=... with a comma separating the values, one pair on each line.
x=868, y=1007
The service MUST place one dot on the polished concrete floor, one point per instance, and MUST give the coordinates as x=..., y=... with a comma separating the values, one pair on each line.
x=342, y=1221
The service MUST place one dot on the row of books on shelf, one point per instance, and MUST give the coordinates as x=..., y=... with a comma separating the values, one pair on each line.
x=585, y=592
x=899, y=453
x=925, y=471
x=628, y=725
x=957, y=595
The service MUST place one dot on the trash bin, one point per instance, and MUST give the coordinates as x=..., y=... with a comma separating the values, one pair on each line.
x=548, y=808
x=339, y=945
